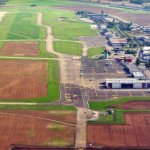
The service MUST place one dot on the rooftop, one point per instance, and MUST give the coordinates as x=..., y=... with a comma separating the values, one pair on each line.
x=138, y=74
x=126, y=80
x=132, y=67
x=118, y=41
x=146, y=48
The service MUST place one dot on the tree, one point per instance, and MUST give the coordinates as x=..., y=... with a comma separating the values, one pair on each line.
x=147, y=65
x=136, y=1
x=138, y=62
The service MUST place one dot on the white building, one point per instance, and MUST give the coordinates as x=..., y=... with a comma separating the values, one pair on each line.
x=128, y=83
x=145, y=54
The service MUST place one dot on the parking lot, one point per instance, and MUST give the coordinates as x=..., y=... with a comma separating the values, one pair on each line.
x=80, y=81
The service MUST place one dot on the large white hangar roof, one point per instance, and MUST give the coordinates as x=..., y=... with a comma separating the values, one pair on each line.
x=127, y=80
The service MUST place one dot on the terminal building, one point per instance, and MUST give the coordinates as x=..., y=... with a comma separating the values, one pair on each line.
x=127, y=83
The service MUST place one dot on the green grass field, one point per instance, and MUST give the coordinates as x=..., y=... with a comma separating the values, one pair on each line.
x=41, y=2
x=118, y=117
x=43, y=51
x=5, y=25
x=70, y=48
x=24, y=26
x=66, y=25
x=21, y=26
x=95, y=51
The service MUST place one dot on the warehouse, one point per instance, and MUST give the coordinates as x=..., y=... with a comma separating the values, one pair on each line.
x=129, y=83
x=145, y=54
x=117, y=44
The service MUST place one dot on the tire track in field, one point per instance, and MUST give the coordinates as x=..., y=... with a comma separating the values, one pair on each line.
x=40, y=118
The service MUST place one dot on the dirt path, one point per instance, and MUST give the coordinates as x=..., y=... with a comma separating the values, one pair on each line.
x=84, y=50
x=49, y=37
x=2, y=14
x=81, y=128
x=39, y=118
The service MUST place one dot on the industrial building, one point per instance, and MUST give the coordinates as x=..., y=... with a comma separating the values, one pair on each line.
x=128, y=83
x=134, y=70
x=117, y=43
x=145, y=54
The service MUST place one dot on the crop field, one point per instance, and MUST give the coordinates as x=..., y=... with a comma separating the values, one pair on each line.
x=66, y=25
x=135, y=132
x=16, y=78
x=28, y=127
x=136, y=105
x=71, y=48
x=20, y=49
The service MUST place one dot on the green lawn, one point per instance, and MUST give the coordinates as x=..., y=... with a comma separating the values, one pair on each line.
x=40, y=2
x=95, y=51
x=118, y=117
x=70, y=48
x=5, y=25
x=66, y=25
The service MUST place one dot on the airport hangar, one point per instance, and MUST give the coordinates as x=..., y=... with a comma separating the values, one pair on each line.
x=129, y=83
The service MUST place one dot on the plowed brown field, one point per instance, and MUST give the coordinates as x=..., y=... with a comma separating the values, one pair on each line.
x=23, y=79
x=135, y=105
x=134, y=134
x=33, y=131
x=20, y=48
x=142, y=19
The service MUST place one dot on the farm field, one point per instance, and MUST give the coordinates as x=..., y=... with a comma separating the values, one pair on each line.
x=120, y=106
x=136, y=105
x=70, y=48
x=20, y=49
x=16, y=78
x=127, y=135
x=25, y=124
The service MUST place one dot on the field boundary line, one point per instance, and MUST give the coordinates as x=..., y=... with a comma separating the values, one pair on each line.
x=40, y=118
x=31, y=58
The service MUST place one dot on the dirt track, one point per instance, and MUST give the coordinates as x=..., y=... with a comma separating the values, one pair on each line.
x=142, y=19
